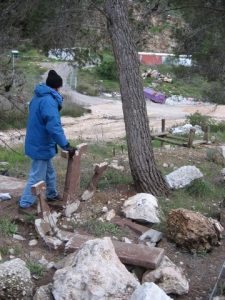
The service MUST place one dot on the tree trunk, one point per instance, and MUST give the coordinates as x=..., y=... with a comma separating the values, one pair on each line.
x=146, y=176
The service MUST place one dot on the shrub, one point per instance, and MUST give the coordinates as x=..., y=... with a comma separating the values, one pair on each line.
x=199, y=119
x=87, y=89
x=215, y=93
x=107, y=69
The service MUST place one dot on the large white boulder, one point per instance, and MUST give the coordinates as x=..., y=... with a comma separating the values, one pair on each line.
x=183, y=177
x=169, y=277
x=142, y=207
x=15, y=280
x=149, y=291
x=95, y=273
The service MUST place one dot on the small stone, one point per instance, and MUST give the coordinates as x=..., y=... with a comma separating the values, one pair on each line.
x=33, y=243
x=11, y=256
x=126, y=240
x=104, y=209
x=165, y=165
x=0, y=256
x=150, y=244
x=18, y=237
x=110, y=215
x=50, y=265
x=43, y=261
x=11, y=251
x=65, y=226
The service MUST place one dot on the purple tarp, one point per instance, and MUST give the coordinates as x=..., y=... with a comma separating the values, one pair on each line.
x=154, y=96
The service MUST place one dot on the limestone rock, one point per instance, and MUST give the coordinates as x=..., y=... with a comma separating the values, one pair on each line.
x=183, y=177
x=96, y=273
x=217, y=155
x=33, y=243
x=44, y=293
x=152, y=236
x=149, y=291
x=15, y=280
x=109, y=215
x=192, y=230
x=142, y=207
x=168, y=277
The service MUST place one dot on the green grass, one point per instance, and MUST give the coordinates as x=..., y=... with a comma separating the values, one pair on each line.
x=91, y=83
x=100, y=229
x=200, y=189
x=13, y=119
x=36, y=269
x=7, y=227
x=18, y=162
x=114, y=178
x=73, y=110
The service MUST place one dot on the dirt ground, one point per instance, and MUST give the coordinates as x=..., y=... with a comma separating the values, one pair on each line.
x=201, y=270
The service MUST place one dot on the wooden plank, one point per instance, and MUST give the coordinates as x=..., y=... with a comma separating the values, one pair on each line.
x=170, y=141
x=139, y=229
x=72, y=182
x=199, y=142
x=131, y=254
x=177, y=137
x=153, y=135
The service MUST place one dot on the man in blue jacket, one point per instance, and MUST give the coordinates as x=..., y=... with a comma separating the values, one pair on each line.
x=44, y=133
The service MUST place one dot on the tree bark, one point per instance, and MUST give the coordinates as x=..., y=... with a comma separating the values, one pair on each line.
x=146, y=176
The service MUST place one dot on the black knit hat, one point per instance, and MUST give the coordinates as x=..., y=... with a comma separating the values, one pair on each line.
x=54, y=80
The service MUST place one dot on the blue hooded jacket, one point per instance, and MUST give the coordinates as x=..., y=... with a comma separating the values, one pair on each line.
x=44, y=129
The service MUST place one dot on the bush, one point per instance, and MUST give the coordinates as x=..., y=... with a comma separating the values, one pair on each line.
x=87, y=89
x=107, y=69
x=199, y=119
x=215, y=93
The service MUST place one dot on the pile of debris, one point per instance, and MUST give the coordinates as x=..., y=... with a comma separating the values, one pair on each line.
x=151, y=73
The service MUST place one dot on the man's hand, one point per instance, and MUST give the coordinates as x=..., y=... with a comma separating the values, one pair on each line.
x=71, y=150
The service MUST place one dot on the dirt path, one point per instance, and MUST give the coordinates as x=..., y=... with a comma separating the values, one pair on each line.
x=106, y=120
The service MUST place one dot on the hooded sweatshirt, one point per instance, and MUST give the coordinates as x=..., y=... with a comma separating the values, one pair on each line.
x=44, y=129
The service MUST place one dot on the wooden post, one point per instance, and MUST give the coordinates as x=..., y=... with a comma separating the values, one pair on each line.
x=206, y=134
x=44, y=212
x=163, y=128
x=72, y=182
x=98, y=171
x=191, y=138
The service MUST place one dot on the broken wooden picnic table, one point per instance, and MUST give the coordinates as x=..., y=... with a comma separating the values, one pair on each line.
x=189, y=142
